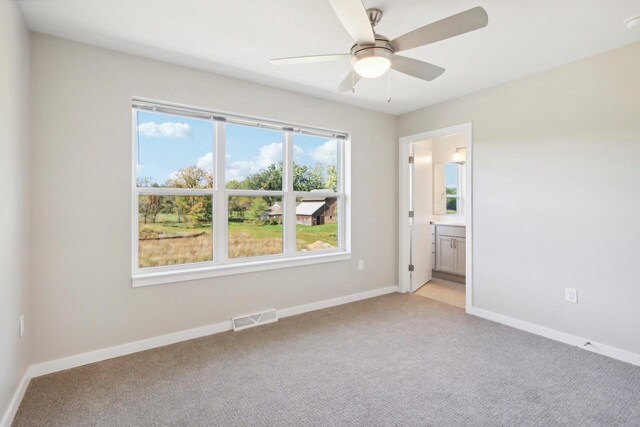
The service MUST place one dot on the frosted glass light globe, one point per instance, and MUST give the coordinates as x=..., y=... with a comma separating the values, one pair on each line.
x=372, y=66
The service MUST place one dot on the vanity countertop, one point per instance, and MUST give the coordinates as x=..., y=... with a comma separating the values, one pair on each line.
x=450, y=224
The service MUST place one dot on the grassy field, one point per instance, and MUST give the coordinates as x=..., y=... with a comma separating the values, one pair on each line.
x=170, y=242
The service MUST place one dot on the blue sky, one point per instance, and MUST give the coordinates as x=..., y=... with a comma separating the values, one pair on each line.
x=451, y=175
x=168, y=143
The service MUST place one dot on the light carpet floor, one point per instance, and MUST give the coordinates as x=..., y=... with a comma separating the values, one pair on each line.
x=395, y=360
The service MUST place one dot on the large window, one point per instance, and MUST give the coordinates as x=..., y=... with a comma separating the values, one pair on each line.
x=216, y=194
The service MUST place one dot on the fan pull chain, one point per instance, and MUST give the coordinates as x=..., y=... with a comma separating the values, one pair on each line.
x=353, y=81
x=389, y=85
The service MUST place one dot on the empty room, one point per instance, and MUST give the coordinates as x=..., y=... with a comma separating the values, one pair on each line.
x=319, y=212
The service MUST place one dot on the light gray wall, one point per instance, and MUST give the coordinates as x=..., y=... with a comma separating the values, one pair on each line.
x=14, y=193
x=81, y=175
x=556, y=195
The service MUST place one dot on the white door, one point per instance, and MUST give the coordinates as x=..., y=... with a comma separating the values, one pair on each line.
x=445, y=254
x=421, y=204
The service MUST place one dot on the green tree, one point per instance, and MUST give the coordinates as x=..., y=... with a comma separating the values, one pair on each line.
x=332, y=178
x=237, y=206
x=269, y=178
x=202, y=210
x=305, y=179
x=258, y=207
x=234, y=184
x=191, y=177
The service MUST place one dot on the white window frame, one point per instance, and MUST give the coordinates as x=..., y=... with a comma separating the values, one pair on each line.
x=221, y=264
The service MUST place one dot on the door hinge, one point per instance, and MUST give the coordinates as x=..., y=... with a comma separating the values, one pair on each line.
x=411, y=267
x=411, y=159
x=411, y=214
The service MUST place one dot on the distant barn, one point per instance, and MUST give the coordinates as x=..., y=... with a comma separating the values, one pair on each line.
x=312, y=210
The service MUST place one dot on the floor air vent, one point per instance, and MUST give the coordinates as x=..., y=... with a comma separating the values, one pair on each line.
x=251, y=320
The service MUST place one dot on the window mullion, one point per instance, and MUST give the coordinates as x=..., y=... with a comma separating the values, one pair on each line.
x=289, y=202
x=220, y=228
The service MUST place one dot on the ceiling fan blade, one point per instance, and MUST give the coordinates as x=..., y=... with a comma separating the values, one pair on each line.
x=355, y=20
x=415, y=68
x=349, y=82
x=309, y=59
x=452, y=26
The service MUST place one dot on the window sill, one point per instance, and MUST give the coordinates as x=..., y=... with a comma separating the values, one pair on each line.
x=158, y=278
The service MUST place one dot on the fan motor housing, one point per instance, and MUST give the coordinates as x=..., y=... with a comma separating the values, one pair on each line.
x=381, y=48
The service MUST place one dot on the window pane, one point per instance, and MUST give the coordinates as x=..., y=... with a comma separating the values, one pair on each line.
x=174, y=151
x=451, y=178
x=452, y=205
x=316, y=223
x=315, y=163
x=255, y=226
x=174, y=230
x=253, y=158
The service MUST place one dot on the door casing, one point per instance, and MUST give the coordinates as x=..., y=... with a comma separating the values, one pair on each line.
x=404, y=278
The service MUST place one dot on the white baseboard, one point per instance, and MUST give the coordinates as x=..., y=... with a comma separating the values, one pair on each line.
x=11, y=411
x=595, y=347
x=124, y=349
x=159, y=341
x=319, y=305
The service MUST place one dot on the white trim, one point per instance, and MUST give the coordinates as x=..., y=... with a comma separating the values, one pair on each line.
x=134, y=194
x=289, y=217
x=12, y=409
x=182, y=110
x=404, y=183
x=149, y=343
x=220, y=214
x=404, y=230
x=553, y=334
x=255, y=264
x=333, y=302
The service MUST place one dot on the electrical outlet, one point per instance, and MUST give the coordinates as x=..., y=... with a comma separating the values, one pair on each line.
x=21, y=325
x=360, y=264
x=571, y=295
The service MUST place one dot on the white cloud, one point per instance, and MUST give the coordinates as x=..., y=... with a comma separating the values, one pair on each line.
x=325, y=153
x=166, y=129
x=297, y=152
x=238, y=170
x=269, y=154
x=206, y=162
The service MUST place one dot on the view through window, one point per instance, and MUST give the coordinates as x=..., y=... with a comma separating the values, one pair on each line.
x=453, y=187
x=278, y=193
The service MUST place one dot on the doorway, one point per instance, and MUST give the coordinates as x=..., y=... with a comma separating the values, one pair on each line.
x=435, y=256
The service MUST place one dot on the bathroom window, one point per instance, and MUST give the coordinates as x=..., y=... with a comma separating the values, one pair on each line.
x=453, y=188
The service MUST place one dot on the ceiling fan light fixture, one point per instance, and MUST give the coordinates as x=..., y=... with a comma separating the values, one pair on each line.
x=372, y=62
x=372, y=67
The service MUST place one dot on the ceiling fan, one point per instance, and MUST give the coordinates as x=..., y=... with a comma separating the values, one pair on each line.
x=373, y=54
